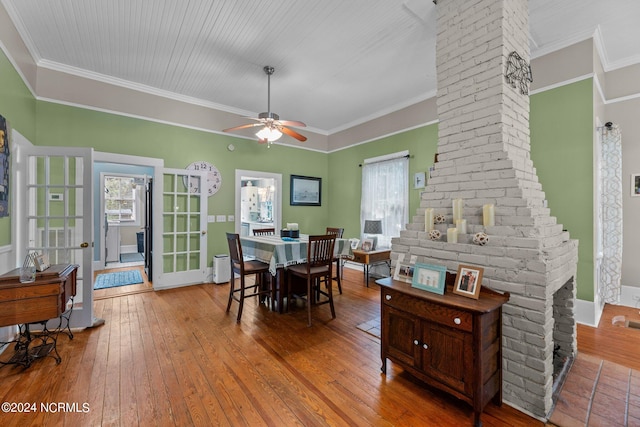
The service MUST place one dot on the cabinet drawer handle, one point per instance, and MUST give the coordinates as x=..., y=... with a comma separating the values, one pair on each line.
x=416, y=342
x=457, y=321
x=425, y=346
x=387, y=297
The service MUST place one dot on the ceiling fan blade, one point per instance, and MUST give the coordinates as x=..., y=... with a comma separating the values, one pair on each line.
x=292, y=133
x=250, y=125
x=292, y=123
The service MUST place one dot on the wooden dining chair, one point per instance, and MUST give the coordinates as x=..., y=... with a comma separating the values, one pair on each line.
x=338, y=233
x=263, y=285
x=317, y=268
x=264, y=232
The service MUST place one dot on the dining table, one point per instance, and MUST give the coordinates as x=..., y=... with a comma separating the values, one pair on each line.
x=281, y=252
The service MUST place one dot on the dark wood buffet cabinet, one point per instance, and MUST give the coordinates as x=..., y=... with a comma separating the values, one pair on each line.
x=448, y=341
x=32, y=305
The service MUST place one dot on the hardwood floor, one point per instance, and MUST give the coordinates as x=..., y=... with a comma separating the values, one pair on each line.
x=176, y=358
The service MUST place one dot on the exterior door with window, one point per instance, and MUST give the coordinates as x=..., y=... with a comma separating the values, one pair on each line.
x=56, y=199
x=183, y=259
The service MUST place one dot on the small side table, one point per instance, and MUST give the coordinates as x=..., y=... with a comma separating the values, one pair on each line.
x=367, y=259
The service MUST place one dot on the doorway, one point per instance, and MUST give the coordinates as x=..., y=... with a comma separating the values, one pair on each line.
x=124, y=210
x=258, y=201
x=150, y=170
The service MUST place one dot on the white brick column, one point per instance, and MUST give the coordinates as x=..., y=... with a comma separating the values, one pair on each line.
x=484, y=157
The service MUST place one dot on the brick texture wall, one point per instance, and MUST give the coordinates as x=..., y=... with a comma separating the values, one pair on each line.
x=484, y=158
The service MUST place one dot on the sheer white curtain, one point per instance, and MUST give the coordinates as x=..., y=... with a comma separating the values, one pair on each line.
x=611, y=208
x=385, y=194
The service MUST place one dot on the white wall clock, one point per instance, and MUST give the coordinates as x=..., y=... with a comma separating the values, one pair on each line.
x=213, y=180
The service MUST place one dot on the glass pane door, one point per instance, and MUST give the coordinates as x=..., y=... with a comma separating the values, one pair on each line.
x=58, y=211
x=184, y=222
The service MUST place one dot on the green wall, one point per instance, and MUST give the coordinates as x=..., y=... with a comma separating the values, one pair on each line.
x=346, y=175
x=561, y=149
x=562, y=131
x=60, y=125
x=561, y=125
x=18, y=106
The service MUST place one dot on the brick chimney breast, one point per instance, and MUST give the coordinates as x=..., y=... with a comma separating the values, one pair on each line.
x=484, y=158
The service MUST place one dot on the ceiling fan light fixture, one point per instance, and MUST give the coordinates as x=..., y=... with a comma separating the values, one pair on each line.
x=269, y=134
x=273, y=126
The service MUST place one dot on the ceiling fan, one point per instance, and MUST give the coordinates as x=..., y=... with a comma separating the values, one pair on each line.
x=273, y=127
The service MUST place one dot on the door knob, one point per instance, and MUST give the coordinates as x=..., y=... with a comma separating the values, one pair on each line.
x=84, y=245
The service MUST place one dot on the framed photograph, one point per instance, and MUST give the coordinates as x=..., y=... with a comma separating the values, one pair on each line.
x=41, y=262
x=305, y=191
x=354, y=243
x=429, y=278
x=367, y=245
x=419, y=180
x=404, y=270
x=635, y=184
x=468, y=281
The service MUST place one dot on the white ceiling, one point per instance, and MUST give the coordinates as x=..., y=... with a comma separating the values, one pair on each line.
x=337, y=63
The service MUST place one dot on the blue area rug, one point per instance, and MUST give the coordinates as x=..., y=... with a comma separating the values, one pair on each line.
x=131, y=257
x=120, y=278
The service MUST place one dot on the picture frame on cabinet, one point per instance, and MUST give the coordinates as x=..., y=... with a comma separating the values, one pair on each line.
x=41, y=262
x=468, y=281
x=635, y=184
x=429, y=278
x=404, y=270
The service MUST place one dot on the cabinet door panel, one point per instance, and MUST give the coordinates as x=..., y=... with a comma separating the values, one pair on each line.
x=449, y=356
x=400, y=334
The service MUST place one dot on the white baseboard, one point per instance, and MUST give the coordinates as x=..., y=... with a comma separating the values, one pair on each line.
x=587, y=313
x=628, y=295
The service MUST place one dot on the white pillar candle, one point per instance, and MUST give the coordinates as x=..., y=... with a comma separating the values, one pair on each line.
x=452, y=235
x=488, y=215
x=458, y=207
x=429, y=216
x=461, y=225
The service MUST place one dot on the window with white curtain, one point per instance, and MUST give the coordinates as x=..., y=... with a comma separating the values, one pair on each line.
x=385, y=194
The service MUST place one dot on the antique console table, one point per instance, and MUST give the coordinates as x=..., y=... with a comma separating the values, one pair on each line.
x=450, y=342
x=32, y=305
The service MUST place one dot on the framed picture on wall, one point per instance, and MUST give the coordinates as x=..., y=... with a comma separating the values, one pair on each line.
x=305, y=191
x=635, y=184
x=4, y=168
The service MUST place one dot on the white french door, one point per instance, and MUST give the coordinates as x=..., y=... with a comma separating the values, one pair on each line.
x=183, y=233
x=56, y=199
